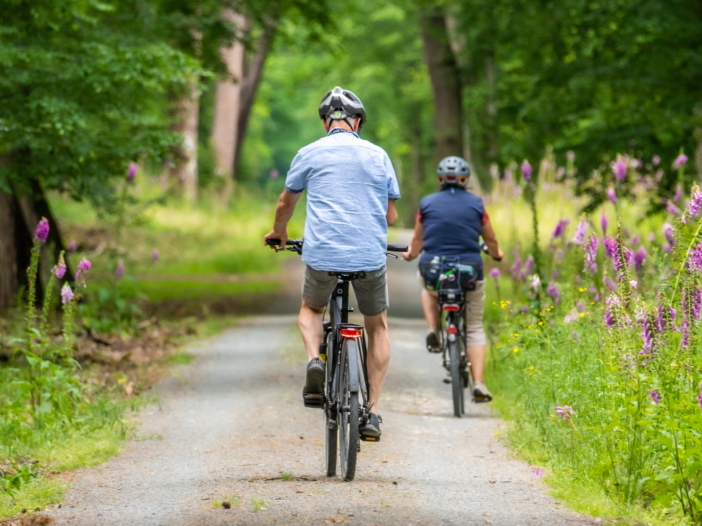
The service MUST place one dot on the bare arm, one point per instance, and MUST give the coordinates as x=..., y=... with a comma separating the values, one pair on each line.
x=417, y=242
x=391, y=216
x=491, y=241
x=283, y=212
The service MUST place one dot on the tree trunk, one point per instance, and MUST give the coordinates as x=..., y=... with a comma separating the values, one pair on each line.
x=182, y=166
x=227, y=102
x=446, y=85
x=9, y=282
x=253, y=73
x=491, y=107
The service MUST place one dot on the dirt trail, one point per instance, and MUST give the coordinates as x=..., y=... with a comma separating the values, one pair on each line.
x=234, y=422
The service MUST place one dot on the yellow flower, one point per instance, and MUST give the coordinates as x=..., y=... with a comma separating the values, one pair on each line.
x=552, y=416
x=556, y=374
x=541, y=323
x=122, y=380
x=531, y=368
x=582, y=314
x=582, y=289
x=516, y=349
x=497, y=434
x=536, y=330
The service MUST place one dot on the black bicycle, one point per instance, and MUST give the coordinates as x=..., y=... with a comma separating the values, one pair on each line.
x=345, y=397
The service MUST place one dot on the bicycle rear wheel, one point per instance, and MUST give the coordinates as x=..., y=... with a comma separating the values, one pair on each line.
x=456, y=379
x=330, y=433
x=349, y=414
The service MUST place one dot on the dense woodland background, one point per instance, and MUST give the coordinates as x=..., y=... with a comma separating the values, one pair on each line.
x=217, y=96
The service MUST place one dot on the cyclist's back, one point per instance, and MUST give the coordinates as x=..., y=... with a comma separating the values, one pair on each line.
x=348, y=182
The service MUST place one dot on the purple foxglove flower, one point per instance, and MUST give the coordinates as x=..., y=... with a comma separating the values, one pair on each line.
x=42, y=231
x=120, y=270
x=84, y=265
x=578, y=279
x=655, y=396
x=580, y=306
x=678, y=194
x=611, y=303
x=635, y=240
x=652, y=237
x=672, y=209
x=591, y=255
x=580, y=233
x=695, y=259
x=132, y=171
x=637, y=163
x=610, y=283
x=668, y=232
x=559, y=256
x=680, y=160
x=524, y=309
x=529, y=264
x=639, y=257
x=559, y=231
x=667, y=248
x=656, y=160
x=697, y=304
x=72, y=246
x=610, y=246
x=516, y=266
x=60, y=269
x=560, y=172
x=154, y=255
x=535, y=282
x=66, y=293
x=537, y=471
x=570, y=156
x=646, y=335
x=695, y=202
x=619, y=168
x=565, y=412
x=508, y=175
x=570, y=318
x=554, y=291
x=612, y=195
x=554, y=274
x=526, y=170
x=604, y=223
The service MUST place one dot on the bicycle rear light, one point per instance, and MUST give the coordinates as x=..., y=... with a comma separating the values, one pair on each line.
x=351, y=333
x=452, y=329
x=452, y=308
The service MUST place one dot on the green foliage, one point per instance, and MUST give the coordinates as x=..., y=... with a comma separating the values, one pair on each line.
x=588, y=76
x=112, y=307
x=606, y=378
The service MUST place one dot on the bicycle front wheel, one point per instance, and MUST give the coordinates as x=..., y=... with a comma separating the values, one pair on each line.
x=456, y=380
x=330, y=425
x=349, y=413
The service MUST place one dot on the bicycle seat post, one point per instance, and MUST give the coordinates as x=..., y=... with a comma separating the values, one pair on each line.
x=342, y=290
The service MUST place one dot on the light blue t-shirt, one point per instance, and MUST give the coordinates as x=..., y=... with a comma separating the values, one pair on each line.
x=348, y=182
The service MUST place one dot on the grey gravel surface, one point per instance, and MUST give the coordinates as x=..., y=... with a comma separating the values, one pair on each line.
x=233, y=422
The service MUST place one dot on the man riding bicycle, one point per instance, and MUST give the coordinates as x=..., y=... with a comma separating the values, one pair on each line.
x=351, y=192
x=449, y=224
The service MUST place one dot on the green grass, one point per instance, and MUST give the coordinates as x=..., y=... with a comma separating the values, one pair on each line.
x=189, y=290
x=287, y=475
x=258, y=505
x=181, y=359
x=232, y=501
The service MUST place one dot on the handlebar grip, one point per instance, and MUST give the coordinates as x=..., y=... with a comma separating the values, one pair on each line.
x=273, y=242
x=398, y=248
x=484, y=247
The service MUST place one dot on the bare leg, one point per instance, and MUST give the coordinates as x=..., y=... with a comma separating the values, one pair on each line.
x=476, y=355
x=378, y=355
x=310, y=321
x=430, y=304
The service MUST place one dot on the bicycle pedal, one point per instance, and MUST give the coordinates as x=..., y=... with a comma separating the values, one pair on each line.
x=370, y=439
x=313, y=400
x=447, y=380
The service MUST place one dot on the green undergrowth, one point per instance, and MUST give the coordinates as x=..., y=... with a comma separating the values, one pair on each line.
x=105, y=424
x=189, y=290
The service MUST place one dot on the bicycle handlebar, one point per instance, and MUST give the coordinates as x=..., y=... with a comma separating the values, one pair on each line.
x=297, y=242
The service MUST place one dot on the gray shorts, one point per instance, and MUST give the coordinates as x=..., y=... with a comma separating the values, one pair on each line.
x=371, y=291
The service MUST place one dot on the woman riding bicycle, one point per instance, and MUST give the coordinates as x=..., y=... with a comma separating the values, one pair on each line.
x=449, y=225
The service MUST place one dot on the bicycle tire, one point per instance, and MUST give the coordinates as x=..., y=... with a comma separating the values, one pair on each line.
x=456, y=380
x=349, y=435
x=331, y=435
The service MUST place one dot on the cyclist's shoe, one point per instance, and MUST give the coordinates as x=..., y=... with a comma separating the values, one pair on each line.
x=312, y=393
x=433, y=344
x=481, y=393
x=371, y=431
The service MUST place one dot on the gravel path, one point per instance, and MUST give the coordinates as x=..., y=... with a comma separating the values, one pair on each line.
x=234, y=422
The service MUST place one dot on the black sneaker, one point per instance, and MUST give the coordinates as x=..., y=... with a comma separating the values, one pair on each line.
x=314, y=385
x=371, y=431
x=433, y=344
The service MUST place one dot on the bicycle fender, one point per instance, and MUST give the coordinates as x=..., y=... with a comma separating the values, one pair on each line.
x=354, y=377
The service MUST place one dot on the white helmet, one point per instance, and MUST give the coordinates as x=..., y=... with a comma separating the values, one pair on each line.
x=339, y=104
x=453, y=171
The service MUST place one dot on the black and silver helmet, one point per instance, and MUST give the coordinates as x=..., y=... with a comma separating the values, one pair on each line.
x=453, y=171
x=340, y=104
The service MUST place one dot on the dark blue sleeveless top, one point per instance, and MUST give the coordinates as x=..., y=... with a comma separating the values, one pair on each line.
x=453, y=222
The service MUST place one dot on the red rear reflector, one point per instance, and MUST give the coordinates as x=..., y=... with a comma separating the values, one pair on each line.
x=351, y=333
x=451, y=307
x=452, y=329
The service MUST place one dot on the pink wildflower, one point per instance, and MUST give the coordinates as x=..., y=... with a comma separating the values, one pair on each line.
x=132, y=171
x=656, y=160
x=154, y=255
x=60, y=269
x=72, y=246
x=680, y=161
x=66, y=293
x=559, y=231
x=655, y=396
x=565, y=412
x=120, y=270
x=580, y=233
x=42, y=231
x=526, y=170
x=619, y=168
x=612, y=195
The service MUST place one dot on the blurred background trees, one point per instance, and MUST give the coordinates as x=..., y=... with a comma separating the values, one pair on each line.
x=211, y=96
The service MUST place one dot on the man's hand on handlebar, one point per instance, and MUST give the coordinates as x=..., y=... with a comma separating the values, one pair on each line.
x=283, y=236
x=407, y=256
